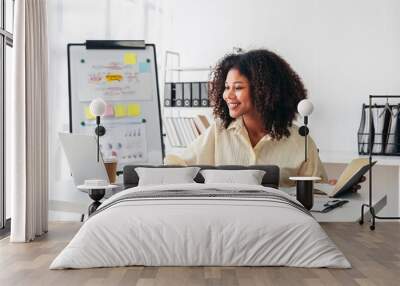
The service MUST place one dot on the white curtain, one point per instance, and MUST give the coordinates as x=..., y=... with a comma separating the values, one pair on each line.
x=28, y=123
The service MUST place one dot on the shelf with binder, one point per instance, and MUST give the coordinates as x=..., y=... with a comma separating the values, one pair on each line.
x=186, y=94
x=185, y=102
x=378, y=134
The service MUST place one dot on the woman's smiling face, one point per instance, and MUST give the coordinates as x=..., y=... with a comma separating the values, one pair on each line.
x=237, y=94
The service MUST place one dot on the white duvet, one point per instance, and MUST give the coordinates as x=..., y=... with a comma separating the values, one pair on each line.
x=200, y=231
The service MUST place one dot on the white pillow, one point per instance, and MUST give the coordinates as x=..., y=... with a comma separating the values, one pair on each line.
x=249, y=177
x=163, y=176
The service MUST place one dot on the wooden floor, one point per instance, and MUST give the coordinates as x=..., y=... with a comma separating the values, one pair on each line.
x=375, y=257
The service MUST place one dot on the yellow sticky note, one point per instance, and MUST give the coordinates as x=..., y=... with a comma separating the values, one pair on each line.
x=113, y=77
x=88, y=114
x=129, y=58
x=120, y=110
x=133, y=109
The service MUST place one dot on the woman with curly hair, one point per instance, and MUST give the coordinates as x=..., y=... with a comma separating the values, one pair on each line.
x=255, y=96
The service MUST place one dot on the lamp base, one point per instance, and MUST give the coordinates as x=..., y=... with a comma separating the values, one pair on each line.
x=304, y=193
x=96, y=195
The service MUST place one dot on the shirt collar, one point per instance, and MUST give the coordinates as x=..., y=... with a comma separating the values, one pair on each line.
x=236, y=124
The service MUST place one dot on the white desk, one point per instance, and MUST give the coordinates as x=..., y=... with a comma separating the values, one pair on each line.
x=345, y=157
x=349, y=212
x=385, y=176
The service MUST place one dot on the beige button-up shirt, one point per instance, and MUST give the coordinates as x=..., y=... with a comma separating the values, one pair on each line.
x=232, y=146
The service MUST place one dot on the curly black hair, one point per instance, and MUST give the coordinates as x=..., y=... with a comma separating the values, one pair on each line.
x=275, y=89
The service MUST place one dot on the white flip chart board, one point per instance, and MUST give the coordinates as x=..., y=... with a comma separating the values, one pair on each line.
x=124, y=74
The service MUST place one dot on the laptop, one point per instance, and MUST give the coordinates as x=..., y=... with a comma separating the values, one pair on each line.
x=81, y=153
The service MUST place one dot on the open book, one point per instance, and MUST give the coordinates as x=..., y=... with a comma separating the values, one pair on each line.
x=350, y=177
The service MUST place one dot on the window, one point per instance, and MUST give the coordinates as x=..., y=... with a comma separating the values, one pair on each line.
x=9, y=19
x=6, y=43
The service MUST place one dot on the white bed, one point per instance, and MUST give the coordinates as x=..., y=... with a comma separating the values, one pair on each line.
x=183, y=231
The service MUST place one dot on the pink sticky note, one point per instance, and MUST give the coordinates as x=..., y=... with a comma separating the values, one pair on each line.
x=109, y=110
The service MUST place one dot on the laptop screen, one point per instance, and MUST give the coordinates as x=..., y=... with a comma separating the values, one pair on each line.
x=81, y=153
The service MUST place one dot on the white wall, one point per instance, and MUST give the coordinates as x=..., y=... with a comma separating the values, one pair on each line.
x=344, y=50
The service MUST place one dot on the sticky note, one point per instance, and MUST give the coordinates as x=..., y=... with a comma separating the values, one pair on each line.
x=88, y=114
x=144, y=67
x=133, y=109
x=130, y=59
x=109, y=110
x=120, y=110
x=114, y=77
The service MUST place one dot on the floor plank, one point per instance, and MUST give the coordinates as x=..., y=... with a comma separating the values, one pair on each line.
x=374, y=255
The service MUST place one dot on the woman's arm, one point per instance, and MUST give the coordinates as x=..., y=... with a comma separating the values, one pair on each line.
x=200, y=152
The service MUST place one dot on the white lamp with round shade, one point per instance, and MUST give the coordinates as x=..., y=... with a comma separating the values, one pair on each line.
x=98, y=108
x=304, y=188
x=305, y=108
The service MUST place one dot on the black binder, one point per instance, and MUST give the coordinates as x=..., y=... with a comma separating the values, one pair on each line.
x=178, y=94
x=195, y=94
x=168, y=94
x=187, y=94
x=204, y=94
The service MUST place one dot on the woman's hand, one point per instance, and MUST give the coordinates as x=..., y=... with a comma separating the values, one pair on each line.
x=354, y=188
x=332, y=182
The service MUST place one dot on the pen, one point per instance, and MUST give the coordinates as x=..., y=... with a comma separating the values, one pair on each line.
x=332, y=206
